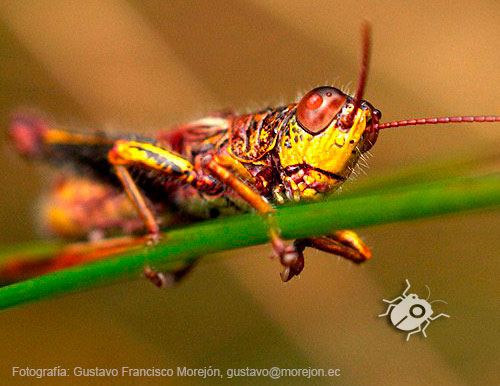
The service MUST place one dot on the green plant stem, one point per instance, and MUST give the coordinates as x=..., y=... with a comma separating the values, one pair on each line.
x=409, y=202
x=422, y=173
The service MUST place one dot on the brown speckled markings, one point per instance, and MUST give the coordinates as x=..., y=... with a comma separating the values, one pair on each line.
x=253, y=136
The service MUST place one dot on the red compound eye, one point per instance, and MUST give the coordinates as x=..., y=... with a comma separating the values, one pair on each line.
x=314, y=101
x=318, y=107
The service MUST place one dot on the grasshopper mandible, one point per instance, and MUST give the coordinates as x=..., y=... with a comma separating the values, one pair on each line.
x=217, y=165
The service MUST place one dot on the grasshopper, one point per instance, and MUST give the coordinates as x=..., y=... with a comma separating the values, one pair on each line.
x=222, y=164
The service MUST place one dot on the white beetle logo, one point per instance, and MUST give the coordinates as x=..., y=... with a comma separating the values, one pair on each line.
x=411, y=313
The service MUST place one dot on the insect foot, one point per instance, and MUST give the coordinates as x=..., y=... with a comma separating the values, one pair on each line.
x=156, y=277
x=410, y=313
x=287, y=254
x=296, y=268
x=167, y=279
x=153, y=238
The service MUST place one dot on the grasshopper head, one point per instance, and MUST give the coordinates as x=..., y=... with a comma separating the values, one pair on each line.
x=324, y=140
x=330, y=130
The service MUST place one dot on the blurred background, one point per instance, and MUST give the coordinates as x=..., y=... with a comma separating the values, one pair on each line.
x=138, y=66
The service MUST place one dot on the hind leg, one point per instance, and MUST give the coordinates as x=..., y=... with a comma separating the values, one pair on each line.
x=80, y=208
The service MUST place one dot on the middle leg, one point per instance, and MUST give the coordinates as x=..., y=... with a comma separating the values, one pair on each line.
x=126, y=154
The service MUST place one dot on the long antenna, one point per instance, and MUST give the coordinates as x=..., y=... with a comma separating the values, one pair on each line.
x=363, y=74
x=439, y=120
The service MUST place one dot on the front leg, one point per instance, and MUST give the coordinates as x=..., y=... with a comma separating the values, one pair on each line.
x=227, y=171
x=342, y=243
